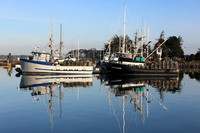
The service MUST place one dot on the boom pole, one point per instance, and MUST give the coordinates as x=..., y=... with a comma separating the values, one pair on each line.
x=156, y=48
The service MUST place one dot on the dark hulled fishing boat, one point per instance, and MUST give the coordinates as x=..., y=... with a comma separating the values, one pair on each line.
x=124, y=62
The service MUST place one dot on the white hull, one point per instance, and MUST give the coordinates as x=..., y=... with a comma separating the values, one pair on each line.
x=33, y=81
x=29, y=66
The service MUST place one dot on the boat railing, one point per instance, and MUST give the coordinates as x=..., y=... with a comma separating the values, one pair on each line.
x=76, y=63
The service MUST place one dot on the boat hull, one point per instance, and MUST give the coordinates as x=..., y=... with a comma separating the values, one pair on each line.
x=38, y=67
x=118, y=68
x=38, y=80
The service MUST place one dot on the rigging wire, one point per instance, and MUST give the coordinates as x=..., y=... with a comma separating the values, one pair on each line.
x=114, y=112
x=47, y=41
x=131, y=19
x=118, y=20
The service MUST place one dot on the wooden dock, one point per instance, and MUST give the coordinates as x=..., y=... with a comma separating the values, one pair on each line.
x=8, y=63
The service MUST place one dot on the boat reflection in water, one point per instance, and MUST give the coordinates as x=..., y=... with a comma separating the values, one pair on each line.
x=135, y=94
x=45, y=86
x=138, y=92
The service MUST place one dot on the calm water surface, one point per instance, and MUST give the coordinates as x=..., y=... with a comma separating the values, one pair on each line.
x=104, y=104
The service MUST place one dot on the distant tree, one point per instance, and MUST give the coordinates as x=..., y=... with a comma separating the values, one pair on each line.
x=115, y=43
x=172, y=47
x=197, y=55
x=197, y=76
x=191, y=75
x=192, y=57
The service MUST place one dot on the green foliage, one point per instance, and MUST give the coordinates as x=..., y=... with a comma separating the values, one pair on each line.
x=197, y=55
x=162, y=37
x=115, y=43
x=172, y=47
x=192, y=57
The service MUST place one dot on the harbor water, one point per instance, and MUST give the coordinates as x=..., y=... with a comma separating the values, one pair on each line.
x=99, y=103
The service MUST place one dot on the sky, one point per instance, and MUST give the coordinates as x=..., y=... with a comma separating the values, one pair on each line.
x=25, y=24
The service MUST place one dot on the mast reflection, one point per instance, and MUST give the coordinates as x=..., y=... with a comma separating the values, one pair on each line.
x=137, y=91
x=46, y=85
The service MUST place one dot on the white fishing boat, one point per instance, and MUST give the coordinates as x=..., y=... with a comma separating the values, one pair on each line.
x=44, y=63
x=46, y=67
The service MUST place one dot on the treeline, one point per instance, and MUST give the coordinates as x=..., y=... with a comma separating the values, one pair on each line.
x=194, y=56
x=171, y=49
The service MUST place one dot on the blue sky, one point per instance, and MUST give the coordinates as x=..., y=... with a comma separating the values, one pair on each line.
x=26, y=23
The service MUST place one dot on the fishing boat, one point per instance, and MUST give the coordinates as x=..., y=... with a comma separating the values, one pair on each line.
x=116, y=63
x=126, y=62
x=44, y=63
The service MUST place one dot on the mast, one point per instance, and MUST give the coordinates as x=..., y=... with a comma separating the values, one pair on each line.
x=144, y=33
x=123, y=50
x=61, y=43
x=147, y=34
x=103, y=53
x=142, y=45
x=136, y=42
x=147, y=41
x=120, y=43
x=72, y=51
x=60, y=98
x=123, y=114
x=109, y=45
x=147, y=102
x=109, y=52
x=78, y=48
x=51, y=107
x=51, y=44
x=142, y=41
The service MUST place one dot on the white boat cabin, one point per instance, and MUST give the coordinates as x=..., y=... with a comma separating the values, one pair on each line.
x=41, y=56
